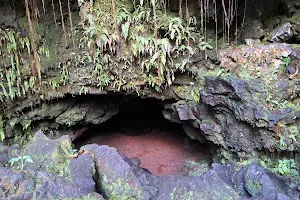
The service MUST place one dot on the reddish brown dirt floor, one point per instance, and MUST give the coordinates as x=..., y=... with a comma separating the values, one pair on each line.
x=162, y=153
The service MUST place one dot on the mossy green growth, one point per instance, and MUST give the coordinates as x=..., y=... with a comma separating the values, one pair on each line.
x=188, y=194
x=282, y=166
x=253, y=187
x=48, y=41
x=91, y=196
x=294, y=133
x=295, y=19
x=295, y=105
x=196, y=169
x=127, y=4
x=119, y=189
x=61, y=162
x=183, y=193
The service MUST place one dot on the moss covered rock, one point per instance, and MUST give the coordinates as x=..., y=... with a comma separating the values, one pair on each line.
x=116, y=179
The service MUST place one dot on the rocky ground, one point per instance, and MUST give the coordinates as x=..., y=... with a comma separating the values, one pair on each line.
x=55, y=171
x=162, y=153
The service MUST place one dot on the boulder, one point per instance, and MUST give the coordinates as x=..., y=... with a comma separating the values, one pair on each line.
x=48, y=154
x=52, y=173
x=82, y=172
x=283, y=33
x=263, y=184
x=116, y=179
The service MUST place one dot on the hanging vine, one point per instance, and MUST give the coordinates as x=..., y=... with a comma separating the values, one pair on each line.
x=32, y=35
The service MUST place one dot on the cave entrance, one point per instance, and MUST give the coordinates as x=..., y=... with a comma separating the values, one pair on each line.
x=140, y=130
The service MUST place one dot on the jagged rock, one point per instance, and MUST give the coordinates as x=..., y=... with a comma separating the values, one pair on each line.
x=82, y=171
x=292, y=6
x=226, y=173
x=43, y=112
x=48, y=152
x=231, y=108
x=64, y=178
x=149, y=182
x=193, y=133
x=282, y=197
x=265, y=185
x=221, y=182
x=90, y=112
x=282, y=33
x=255, y=181
x=264, y=58
x=297, y=87
x=73, y=115
x=63, y=117
x=282, y=87
x=118, y=177
x=115, y=177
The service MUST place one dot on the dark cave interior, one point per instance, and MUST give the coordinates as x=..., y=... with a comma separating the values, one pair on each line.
x=140, y=131
x=135, y=117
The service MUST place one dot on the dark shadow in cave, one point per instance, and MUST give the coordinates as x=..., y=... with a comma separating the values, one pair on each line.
x=140, y=130
x=136, y=117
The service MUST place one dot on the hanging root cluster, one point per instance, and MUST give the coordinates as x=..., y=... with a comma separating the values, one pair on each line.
x=226, y=18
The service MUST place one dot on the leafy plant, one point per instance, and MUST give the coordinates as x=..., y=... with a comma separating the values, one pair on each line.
x=20, y=161
x=203, y=45
x=287, y=166
x=125, y=30
x=83, y=90
x=154, y=44
x=13, y=49
x=64, y=75
x=196, y=95
x=286, y=61
x=282, y=144
x=54, y=84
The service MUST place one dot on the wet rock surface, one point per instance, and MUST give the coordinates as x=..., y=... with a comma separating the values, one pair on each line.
x=101, y=171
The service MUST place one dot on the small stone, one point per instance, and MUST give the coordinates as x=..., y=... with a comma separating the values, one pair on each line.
x=291, y=70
